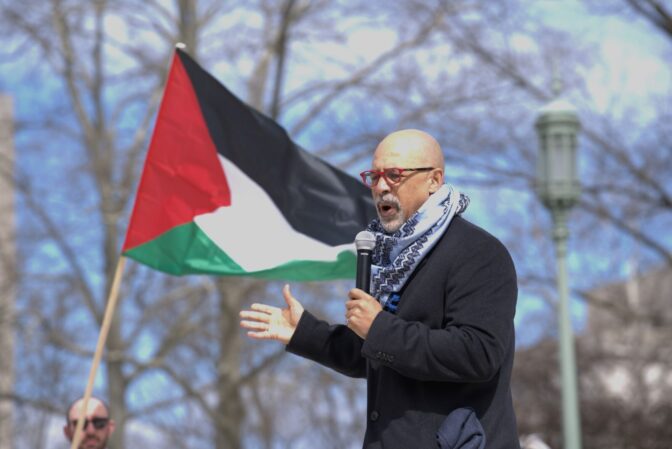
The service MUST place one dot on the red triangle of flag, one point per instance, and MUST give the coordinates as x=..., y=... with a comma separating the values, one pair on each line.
x=182, y=176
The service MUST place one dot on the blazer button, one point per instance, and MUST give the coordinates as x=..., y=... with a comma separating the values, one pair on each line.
x=375, y=415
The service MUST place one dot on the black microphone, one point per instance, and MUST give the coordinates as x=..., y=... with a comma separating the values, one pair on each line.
x=365, y=241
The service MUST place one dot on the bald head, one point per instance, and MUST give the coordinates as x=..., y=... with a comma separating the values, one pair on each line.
x=92, y=406
x=411, y=148
x=97, y=424
x=420, y=159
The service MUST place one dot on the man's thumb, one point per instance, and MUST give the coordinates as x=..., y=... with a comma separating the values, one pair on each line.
x=289, y=299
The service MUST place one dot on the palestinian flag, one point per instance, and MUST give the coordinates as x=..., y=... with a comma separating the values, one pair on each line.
x=225, y=191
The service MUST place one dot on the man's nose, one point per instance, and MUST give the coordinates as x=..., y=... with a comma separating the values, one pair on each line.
x=381, y=187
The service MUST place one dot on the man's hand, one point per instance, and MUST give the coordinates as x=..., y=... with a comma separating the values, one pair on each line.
x=272, y=323
x=360, y=311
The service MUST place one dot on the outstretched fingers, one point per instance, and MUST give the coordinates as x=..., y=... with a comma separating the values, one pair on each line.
x=257, y=328
x=272, y=323
x=259, y=321
x=261, y=335
x=253, y=325
x=263, y=308
x=255, y=316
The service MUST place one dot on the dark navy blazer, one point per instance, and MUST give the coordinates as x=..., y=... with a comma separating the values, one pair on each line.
x=450, y=345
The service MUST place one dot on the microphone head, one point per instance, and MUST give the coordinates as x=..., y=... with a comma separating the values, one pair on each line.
x=365, y=241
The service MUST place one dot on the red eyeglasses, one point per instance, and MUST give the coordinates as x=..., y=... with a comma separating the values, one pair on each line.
x=392, y=175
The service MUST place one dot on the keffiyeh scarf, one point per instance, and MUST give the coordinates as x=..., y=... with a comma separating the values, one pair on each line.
x=396, y=255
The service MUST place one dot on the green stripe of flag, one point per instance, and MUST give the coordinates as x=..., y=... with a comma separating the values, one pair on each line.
x=186, y=249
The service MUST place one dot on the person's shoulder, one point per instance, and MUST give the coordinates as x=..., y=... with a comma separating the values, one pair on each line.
x=461, y=227
x=469, y=241
x=464, y=235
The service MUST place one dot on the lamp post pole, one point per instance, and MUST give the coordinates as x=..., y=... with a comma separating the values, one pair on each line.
x=558, y=188
x=570, y=403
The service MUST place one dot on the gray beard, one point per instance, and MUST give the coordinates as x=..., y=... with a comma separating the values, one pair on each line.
x=394, y=225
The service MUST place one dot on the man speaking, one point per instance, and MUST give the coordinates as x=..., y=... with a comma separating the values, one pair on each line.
x=435, y=338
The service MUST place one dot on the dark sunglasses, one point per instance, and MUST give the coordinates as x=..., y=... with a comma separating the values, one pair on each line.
x=98, y=423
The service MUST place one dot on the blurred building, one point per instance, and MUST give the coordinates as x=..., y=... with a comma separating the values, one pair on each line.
x=624, y=360
x=628, y=338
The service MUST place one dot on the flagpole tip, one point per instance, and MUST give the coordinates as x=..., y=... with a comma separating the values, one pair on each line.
x=181, y=45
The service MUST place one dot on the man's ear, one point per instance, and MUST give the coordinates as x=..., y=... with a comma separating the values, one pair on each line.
x=110, y=426
x=435, y=180
x=67, y=432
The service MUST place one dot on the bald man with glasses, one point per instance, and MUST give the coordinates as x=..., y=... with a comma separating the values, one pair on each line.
x=435, y=338
x=98, y=426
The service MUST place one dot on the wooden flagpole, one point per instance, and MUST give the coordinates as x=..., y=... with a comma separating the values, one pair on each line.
x=102, y=338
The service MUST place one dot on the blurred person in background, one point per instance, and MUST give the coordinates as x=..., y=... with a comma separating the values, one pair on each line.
x=98, y=426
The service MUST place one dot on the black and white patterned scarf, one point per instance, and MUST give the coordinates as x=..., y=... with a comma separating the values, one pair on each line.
x=396, y=255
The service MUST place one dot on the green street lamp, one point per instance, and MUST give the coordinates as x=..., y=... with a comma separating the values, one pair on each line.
x=558, y=188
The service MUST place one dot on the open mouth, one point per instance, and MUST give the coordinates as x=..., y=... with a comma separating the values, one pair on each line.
x=387, y=208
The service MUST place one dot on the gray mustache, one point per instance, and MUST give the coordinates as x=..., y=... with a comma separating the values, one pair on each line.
x=388, y=200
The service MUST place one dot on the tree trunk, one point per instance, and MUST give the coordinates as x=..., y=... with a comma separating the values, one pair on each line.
x=116, y=385
x=230, y=407
x=7, y=272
